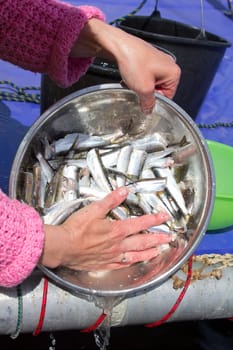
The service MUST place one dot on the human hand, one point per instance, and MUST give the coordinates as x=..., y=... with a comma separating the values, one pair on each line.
x=143, y=68
x=147, y=69
x=90, y=241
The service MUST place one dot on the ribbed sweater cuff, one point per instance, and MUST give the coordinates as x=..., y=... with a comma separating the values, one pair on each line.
x=22, y=241
x=39, y=35
x=62, y=68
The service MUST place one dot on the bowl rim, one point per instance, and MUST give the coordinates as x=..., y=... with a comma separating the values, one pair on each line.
x=132, y=291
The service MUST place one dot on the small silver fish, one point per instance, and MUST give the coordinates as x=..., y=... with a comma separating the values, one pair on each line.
x=98, y=171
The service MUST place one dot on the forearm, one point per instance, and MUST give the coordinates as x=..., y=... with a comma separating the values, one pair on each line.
x=100, y=39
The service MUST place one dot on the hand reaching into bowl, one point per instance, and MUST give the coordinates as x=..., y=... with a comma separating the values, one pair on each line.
x=143, y=68
x=88, y=240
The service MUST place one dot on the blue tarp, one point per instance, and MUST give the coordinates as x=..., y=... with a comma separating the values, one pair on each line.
x=16, y=117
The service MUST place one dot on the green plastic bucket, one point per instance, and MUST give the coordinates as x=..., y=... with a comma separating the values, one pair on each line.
x=222, y=156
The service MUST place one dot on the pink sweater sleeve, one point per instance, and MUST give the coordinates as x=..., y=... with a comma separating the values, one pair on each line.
x=38, y=35
x=21, y=240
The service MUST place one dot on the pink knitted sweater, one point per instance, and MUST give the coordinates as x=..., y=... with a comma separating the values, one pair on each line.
x=36, y=35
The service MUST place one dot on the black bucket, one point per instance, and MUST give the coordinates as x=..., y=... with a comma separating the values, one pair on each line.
x=101, y=71
x=198, y=56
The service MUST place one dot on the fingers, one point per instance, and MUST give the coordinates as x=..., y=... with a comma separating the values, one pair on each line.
x=145, y=241
x=145, y=255
x=129, y=258
x=147, y=102
x=146, y=98
x=137, y=224
x=166, y=85
x=102, y=207
x=162, y=77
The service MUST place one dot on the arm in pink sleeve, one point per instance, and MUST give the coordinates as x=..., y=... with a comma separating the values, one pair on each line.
x=21, y=241
x=38, y=35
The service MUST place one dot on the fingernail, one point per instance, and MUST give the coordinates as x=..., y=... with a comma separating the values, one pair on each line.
x=164, y=216
x=164, y=247
x=147, y=111
x=123, y=191
x=160, y=92
x=174, y=237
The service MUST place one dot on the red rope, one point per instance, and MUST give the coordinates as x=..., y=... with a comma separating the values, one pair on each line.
x=179, y=299
x=103, y=315
x=43, y=308
x=95, y=325
x=165, y=318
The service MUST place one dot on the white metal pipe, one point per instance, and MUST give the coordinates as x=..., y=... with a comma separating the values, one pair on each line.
x=205, y=299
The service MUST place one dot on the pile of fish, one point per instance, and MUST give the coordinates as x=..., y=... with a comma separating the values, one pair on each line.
x=76, y=169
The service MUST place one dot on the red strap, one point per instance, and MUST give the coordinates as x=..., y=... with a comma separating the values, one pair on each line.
x=95, y=325
x=103, y=315
x=43, y=308
x=179, y=299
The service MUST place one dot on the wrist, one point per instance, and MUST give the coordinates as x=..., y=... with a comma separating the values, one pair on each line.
x=98, y=39
x=86, y=44
x=54, y=246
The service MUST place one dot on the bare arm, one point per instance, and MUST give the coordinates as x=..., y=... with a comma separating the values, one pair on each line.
x=143, y=68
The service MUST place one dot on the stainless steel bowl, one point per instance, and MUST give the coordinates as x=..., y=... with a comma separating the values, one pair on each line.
x=103, y=109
